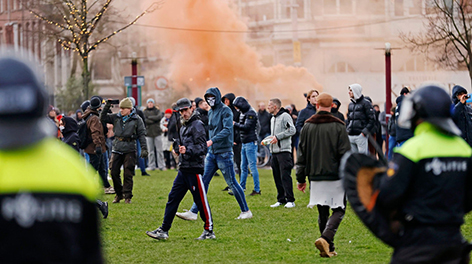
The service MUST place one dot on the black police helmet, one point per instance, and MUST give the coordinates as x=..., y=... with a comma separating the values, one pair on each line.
x=430, y=103
x=183, y=103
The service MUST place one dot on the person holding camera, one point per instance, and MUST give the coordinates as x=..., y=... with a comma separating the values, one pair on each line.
x=462, y=115
x=127, y=127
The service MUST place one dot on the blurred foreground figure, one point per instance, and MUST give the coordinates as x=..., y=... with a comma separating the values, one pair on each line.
x=417, y=205
x=47, y=197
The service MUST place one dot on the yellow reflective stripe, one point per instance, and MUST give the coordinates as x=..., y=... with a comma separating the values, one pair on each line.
x=47, y=167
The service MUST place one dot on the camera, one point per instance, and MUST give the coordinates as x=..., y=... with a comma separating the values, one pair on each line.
x=467, y=96
x=114, y=102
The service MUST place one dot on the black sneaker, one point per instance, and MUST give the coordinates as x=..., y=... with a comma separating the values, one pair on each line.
x=104, y=209
x=226, y=189
x=145, y=174
x=158, y=234
x=255, y=193
x=206, y=235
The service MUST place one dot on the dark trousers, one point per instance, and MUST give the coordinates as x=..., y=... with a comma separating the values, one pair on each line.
x=170, y=162
x=282, y=165
x=329, y=225
x=182, y=183
x=128, y=160
x=98, y=163
x=432, y=254
x=237, y=157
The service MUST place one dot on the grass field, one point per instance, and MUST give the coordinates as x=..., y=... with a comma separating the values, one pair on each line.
x=273, y=235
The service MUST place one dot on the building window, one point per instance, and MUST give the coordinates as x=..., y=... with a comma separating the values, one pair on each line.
x=286, y=10
x=418, y=64
x=338, y=7
x=259, y=12
x=341, y=67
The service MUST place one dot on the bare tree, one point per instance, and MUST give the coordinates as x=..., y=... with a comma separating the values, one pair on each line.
x=447, y=34
x=74, y=27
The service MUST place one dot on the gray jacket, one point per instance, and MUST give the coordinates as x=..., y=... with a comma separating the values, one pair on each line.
x=281, y=126
x=127, y=133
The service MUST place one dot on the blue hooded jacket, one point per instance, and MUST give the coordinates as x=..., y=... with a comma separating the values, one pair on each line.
x=220, y=124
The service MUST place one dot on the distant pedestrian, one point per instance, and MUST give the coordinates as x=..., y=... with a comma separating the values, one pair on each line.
x=335, y=109
x=153, y=117
x=402, y=134
x=308, y=111
x=462, y=115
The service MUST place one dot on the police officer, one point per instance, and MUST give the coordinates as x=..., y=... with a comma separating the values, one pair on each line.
x=429, y=182
x=47, y=196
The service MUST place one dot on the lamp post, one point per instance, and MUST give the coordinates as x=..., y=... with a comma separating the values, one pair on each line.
x=134, y=77
x=388, y=87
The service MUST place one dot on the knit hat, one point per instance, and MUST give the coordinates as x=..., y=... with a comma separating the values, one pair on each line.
x=126, y=103
x=133, y=101
x=168, y=111
x=150, y=100
x=95, y=102
x=198, y=100
x=324, y=100
x=84, y=105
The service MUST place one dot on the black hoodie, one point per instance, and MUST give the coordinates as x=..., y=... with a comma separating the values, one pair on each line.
x=462, y=115
x=236, y=133
x=247, y=123
x=69, y=133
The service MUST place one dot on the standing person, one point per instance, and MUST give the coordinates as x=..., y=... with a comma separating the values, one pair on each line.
x=308, y=111
x=78, y=115
x=228, y=99
x=402, y=134
x=392, y=130
x=282, y=130
x=462, y=112
x=360, y=119
x=247, y=126
x=220, y=154
x=166, y=143
x=141, y=161
x=383, y=127
x=127, y=127
x=152, y=117
x=335, y=109
x=39, y=173
x=203, y=108
x=97, y=146
x=192, y=150
x=264, y=121
x=323, y=142
x=429, y=182
x=173, y=127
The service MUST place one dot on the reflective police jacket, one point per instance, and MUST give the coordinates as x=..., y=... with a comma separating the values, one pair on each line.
x=47, y=206
x=430, y=179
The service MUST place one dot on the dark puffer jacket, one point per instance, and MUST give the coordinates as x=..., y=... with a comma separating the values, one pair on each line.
x=70, y=136
x=402, y=134
x=247, y=120
x=236, y=132
x=304, y=115
x=360, y=117
x=193, y=137
x=127, y=133
x=462, y=115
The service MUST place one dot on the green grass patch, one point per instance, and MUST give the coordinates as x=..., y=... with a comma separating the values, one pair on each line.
x=263, y=239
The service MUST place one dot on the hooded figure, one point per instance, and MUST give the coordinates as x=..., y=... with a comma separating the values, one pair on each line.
x=69, y=133
x=335, y=110
x=402, y=134
x=220, y=133
x=462, y=114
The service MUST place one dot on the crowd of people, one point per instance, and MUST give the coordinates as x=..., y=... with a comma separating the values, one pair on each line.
x=427, y=185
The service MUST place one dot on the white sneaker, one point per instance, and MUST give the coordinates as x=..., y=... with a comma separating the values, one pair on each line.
x=290, y=205
x=277, y=204
x=189, y=215
x=245, y=215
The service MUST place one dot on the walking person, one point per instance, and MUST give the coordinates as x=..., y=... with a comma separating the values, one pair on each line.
x=220, y=154
x=247, y=126
x=127, y=127
x=323, y=142
x=153, y=118
x=282, y=130
x=401, y=134
x=192, y=150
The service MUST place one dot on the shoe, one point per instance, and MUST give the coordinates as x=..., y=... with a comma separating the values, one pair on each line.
x=323, y=246
x=226, y=189
x=150, y=169
x=158, y=234
x=230, y=193
x=117, y=199
x=189, y=215
x=127, y=200
x=255, y=193
x=245, y=215
x=290, y=205
x=277, y=204
x=206, y=235
x=104, y=209
x=145, y=174
x=109, y=190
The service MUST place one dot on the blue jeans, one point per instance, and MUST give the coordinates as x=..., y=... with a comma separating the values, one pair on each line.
x=224, y=162
x=391, y=144
x=141, y=162
x=249, y=158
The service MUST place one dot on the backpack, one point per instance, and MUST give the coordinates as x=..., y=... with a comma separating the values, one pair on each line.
x=83, y=132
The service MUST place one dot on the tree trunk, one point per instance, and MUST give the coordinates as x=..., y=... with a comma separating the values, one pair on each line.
x=85, y=77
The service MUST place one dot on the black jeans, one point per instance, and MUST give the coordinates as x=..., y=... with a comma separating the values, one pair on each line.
x=98, y=163
x=329, y=225
x=128, y=160
x=237, y=157
x=282, y=164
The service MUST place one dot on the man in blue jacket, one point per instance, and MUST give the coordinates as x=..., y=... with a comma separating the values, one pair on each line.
x=220, y=153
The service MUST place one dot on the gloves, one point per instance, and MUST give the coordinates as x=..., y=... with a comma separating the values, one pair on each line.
x=144, y=153
x=98, y=150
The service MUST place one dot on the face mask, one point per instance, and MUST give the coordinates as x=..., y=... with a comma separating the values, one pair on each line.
x=211, y=101
x=61, y=128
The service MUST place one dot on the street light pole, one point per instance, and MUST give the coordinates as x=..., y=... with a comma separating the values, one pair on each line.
x=388, y=87
x=134, y=78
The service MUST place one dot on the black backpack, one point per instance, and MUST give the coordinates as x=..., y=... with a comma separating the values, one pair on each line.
x=84, y=137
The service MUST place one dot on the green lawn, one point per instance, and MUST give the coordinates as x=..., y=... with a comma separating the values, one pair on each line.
x=273, y=235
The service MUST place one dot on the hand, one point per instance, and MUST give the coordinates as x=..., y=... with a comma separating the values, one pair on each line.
x=109, y=101
x=209, y=143
x=144, y=153
x=274, y=140
x=182, y=149
x=463, y=98
x=301, y=187
x=98, y=150
x=234, y=122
